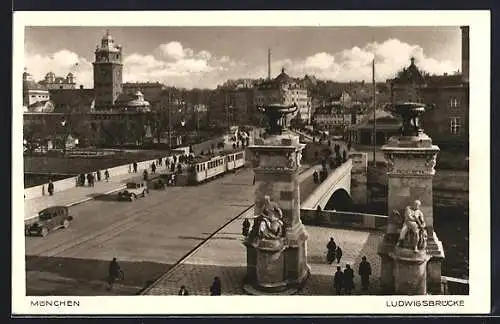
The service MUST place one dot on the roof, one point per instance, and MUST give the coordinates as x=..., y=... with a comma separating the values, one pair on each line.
x=32, y=85
x=283, y=78
x=411, y=74
x=41, y=106
x=73, y=99
x=384, y=120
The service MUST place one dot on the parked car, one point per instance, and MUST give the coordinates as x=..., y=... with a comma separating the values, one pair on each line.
x=48, y=220
x=132, y=191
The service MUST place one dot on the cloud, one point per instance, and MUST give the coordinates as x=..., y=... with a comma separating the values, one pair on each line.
x=61, y=63
x=355, y=63
x=174, y=64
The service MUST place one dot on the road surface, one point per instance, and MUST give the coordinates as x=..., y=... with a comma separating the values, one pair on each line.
x=147, y=236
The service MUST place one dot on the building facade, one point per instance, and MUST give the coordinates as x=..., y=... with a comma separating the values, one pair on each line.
x=448, y=123
x=285, y=90
x=108, y=78
x=53, y=82
x=335, y=118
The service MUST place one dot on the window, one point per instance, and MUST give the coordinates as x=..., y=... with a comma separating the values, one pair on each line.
x=455, y=125
x=454, y=102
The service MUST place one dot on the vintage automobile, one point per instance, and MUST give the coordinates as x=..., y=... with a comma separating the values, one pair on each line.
x=132, y=191
x=48, y=220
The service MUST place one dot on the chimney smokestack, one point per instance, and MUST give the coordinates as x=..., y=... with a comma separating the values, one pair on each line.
x=269, y=64
x=465, y=53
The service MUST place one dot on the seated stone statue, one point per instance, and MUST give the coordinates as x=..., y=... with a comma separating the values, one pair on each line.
x=269, y=224
x=413, y=234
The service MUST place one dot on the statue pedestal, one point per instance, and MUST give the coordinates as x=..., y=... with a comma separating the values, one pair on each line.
x=277, y=265
x=410, y=271
x=411, y=161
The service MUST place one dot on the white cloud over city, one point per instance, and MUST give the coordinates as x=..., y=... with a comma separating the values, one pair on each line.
x=175, y=64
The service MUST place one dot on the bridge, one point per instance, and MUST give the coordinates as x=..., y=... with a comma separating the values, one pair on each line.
x=338, y=180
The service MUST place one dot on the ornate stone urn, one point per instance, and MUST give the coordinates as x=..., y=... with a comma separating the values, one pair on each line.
x=276, y=244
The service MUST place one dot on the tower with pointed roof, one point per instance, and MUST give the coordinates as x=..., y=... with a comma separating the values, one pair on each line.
x=108, y=69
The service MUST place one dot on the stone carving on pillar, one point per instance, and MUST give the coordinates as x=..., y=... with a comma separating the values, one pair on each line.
x=413, y=234
x=411, y=253
x=268, y=228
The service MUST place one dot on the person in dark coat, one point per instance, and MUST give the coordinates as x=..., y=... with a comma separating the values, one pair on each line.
x=98, y=175
x=50, y=188
x=316, y=176
x=135, y=167
x=106, y=175
x=338, y=281
x=216, y=288
x=145, y=175
x=365, y=270
x=338, y=254
x=153, y=168
x=89, y=179
x=179, y=168
x=114, y=273
x=246, y=227
x=172, y=167
x=348, y=280
x=183, y=291
x=331, y=247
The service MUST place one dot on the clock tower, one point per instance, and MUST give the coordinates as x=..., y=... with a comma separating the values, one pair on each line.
x=107, y=72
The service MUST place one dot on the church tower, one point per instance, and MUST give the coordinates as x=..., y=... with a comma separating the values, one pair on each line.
x=107, y=72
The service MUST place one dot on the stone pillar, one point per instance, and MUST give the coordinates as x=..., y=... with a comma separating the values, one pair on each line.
x=277, y=265
x=411, y=161
x=409, y=272
x=359, y=190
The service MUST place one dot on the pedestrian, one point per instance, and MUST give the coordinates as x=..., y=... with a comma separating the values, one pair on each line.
x=338, y=254
x=344, y=156
x=331, y=248
x=172, y=167
x=348, y=279
x=145, y=175
x=50, y=188
x=216, y=288
x=159, y=161
x=317, y=217
x=349, y=145
x=135, y=167
x=98, y=175
x=338, y=281
x=92, y=179
x=246, y=227
x=316, y=176
x=153, y=168
x=114, y=273
x=175, y=159
x=183, y=291
x=253, y=182
x=106, y=175
x=365, y=270
x=82, y=179
x=89, y=179
x=179, y=168
x=130, y=168
x=234, y=146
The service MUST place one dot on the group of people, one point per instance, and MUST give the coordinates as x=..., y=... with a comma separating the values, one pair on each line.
x=91, y=178
x=343, y=281
x=215, y=288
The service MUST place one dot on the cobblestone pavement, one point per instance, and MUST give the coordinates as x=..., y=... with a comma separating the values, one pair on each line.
x=224, y=255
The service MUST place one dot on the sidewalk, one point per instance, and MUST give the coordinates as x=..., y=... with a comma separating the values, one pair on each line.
x=224, y=255
x=75, y=195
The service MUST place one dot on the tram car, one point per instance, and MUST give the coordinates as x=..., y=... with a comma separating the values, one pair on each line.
x=204, y=168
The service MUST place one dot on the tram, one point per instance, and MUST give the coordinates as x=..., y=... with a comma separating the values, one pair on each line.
x=204, y=168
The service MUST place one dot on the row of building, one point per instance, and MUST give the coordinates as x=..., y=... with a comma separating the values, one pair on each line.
x=348, y=110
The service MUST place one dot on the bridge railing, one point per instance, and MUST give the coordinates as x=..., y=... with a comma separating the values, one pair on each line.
x=454, y=286
x=343, y=219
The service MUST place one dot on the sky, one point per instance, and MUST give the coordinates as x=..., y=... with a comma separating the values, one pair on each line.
x=203, y=57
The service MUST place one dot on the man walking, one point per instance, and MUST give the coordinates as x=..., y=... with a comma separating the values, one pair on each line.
x=135, y=167
x=331, y=249
x=153, y=168
x=51, y=188
x=114, y=273
x=106, y=175
x=338, y=254
x=338, y=280
x=365, y=270
x=348, y=280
